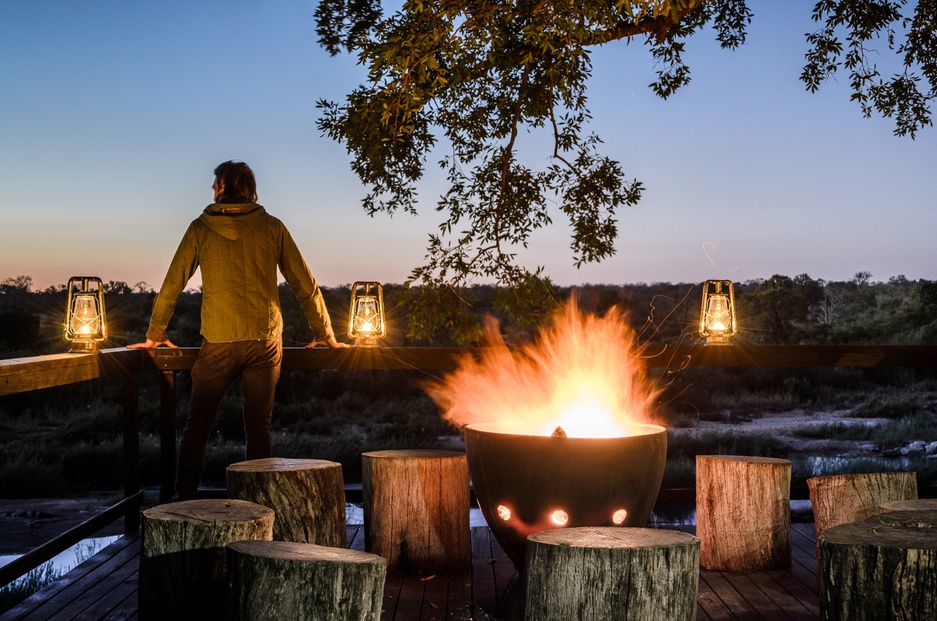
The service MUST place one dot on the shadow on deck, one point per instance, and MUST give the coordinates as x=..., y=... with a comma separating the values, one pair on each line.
x=105, y=587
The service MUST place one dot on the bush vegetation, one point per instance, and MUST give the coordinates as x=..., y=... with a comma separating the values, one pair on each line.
x=69, y=438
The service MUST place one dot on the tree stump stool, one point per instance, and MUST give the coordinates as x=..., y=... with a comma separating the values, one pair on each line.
x=183, y=568
x=881, y=569
x=278, y=580
x=922, y=504
x=416, y=509
x=844, y=498
x=612, y=573
x=743, y=512
x=307, y=495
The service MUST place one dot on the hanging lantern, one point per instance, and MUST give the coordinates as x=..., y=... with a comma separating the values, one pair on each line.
x=367, y=325
x=85, y=322
x=717, y=312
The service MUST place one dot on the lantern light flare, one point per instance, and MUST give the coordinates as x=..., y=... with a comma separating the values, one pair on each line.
x=85, y=318
x=717, y=312
x=366, y=317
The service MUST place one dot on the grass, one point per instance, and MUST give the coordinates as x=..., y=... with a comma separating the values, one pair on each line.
x=804, y=468
x=18, y=590
x=759, y=444
x=60, y=440
x=26, y=475
x=893, y=404
x=889, y=436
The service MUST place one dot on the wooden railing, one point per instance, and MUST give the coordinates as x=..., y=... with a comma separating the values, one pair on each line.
x=125, y=365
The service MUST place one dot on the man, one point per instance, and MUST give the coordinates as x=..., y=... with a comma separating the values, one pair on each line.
x=238, y=246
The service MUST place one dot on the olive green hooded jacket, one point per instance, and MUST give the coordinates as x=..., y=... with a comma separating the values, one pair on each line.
x=238, y=246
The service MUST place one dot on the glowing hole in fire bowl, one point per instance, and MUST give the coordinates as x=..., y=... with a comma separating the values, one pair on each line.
x=556, y=429
x=560, y=517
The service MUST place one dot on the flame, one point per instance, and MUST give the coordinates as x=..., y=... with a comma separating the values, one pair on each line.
x=583, y=373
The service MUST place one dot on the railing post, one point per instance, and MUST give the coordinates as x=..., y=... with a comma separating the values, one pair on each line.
x=167, y=435
x=131, y=425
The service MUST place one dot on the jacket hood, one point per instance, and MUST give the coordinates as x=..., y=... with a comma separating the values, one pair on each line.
x=233, y=220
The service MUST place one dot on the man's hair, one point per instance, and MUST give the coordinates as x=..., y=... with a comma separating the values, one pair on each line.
x=237, y=179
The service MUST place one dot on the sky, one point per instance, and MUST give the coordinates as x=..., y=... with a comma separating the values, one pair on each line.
x=114, y=113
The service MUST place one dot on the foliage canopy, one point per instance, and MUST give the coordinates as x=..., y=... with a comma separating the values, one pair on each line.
x=481, y=74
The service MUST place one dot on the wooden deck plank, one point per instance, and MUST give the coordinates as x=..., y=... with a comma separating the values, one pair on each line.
x=436, y=596
x=50, y=602
x=483, y=575
x=732, y=600
x=701, y=614
x=356, y=537
x=503, y=569
x=710, y=606
x=410, y=600
x=772, y=584
x=392, y=586
x=803, y=557
x=459, y=604
x=764, y=607
x=105, y=596
x=105, y=587
x=127, y=609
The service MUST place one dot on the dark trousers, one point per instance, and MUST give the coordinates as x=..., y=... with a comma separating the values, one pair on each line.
x=257, y=363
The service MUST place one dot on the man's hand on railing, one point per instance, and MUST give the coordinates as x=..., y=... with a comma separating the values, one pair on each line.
x=148, y=344
x=331, y=342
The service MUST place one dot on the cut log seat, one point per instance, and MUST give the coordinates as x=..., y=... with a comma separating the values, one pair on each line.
x=611, y=573
x=416, y=509
x=883, y=568
x=183, y=566
x=921, y=504
x=279, y=580
x=307, y=495
x=743, y=512
x=843, y=498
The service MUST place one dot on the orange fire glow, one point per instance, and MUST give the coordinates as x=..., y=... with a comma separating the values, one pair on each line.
x=583, y=373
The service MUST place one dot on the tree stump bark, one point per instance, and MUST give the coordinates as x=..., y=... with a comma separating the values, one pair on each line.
x=923, y=504
x=183, y=568
x=612, y=573
x=278, y=580
x=844, y=498
x=416, y=509
x=881, y=569
x=307, y=495
x=743, y=512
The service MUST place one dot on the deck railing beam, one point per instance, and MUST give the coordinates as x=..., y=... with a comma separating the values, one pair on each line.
x=446, y=358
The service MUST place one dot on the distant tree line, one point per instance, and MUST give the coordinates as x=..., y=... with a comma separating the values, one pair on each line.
x=777, y=310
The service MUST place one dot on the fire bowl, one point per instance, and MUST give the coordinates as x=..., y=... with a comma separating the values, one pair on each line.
x=525, y=484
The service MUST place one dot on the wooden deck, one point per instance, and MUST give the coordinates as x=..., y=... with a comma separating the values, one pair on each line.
x=105, y=587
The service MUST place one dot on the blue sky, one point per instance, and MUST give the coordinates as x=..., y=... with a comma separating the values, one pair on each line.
x=113, y=114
